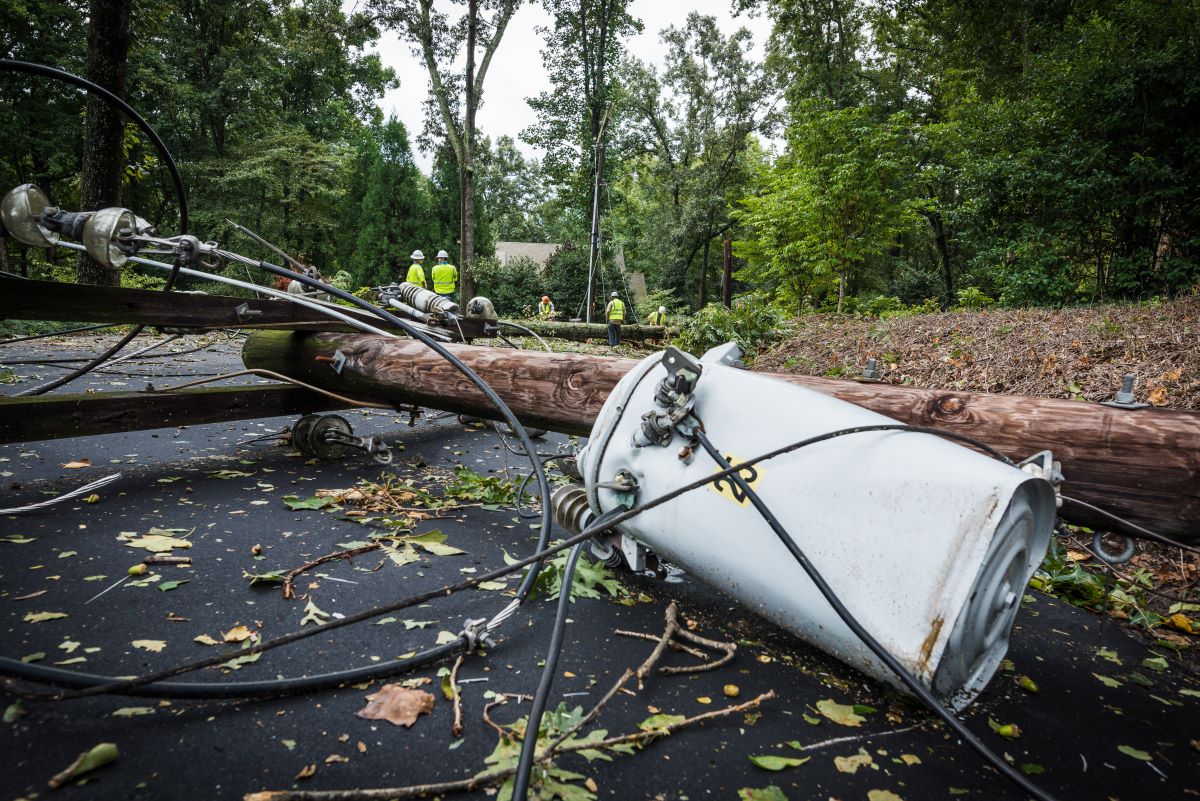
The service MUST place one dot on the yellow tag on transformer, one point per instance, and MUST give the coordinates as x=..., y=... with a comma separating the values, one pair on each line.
x=727, y=487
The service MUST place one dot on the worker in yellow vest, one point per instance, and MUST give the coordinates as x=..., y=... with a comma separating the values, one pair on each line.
x=416, y=272
x=615, y=313
x=545, y=308
x=445, y=275
x=658, y=317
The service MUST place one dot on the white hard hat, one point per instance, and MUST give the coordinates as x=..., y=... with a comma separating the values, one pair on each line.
x=662, y=309
x=417, y=255
x=443, y=254
x=614, y=294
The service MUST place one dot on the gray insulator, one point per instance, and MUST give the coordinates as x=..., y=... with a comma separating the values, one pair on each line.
x=423, y=299
x=571, y=510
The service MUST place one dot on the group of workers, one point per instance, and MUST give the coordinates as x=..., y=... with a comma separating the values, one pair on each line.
x=443, y=276
x=614, y=313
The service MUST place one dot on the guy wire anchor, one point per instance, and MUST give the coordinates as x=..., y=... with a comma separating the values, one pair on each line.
x=1125, y=398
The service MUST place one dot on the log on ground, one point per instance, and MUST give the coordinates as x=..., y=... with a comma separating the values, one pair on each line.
x=1143, y=465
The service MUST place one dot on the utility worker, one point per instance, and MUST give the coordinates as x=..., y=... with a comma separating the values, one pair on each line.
x=445, y=275
x=416, y=273
x=659, y=317
x=615, y=312
x=545, y=308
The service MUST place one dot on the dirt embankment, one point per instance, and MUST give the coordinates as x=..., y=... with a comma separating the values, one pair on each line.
x=1076, y=353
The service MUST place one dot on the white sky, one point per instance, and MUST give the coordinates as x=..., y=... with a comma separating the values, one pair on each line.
x=516, y=70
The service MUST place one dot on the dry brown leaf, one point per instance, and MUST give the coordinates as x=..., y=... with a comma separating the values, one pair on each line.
x=335, y=758
x=307, y=772
x=237, y=634
x=1158, y=396
x=1173, y=375
x=76, y=464
x=397, y=705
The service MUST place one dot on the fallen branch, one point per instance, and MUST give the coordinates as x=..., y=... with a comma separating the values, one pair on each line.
x=674, y=646
x=456, y=728
x=290, y=592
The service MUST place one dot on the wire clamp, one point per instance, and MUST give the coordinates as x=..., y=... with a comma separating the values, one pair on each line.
x=475, y=631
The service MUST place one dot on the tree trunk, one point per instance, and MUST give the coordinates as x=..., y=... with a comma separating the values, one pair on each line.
x=704, y=275
x=1142, y=465
x=841, y=290
x=103, y=146
x=943, y=248
x=727, y=273
x=466, y=256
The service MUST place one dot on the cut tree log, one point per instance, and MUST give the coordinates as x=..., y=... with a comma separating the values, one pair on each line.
x=1143, y=465
x=578, y=332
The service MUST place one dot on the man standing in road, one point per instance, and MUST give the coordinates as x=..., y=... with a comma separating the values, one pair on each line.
x=416, y=273
x=445, y=276
x=615, y=312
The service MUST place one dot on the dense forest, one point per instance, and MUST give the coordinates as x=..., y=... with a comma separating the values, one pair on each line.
x=884, y=155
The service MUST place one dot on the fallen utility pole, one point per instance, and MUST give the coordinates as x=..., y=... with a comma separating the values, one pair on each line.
x=577, y=332
x=1143, y=465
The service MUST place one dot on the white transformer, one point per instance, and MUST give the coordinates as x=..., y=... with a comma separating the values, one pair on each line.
x=927, y=543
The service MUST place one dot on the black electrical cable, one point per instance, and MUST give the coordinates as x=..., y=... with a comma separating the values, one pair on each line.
x=529, y=744
x=1132, y=528
x=437, y=347
x=64, y=332
x=909, y=681
x=11, y=65
x=16, y=668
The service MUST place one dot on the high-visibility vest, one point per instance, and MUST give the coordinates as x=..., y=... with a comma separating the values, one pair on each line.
x=546, y=309
x=416, y=275
x=656, y=318
x=616, y=311
x=444, y=277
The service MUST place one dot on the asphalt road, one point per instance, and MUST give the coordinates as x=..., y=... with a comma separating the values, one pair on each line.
x=1098, y=701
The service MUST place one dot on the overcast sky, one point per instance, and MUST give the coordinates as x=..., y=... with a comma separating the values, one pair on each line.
x=516, y=70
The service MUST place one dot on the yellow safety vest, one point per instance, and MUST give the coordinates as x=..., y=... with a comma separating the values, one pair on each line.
x=656, y=318
x=444, y=277
x=416, y=275
x=545, y=309
x=616, y=311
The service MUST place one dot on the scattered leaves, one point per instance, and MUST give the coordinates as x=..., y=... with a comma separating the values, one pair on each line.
x=154, y=646
x=312, y=614
x=133, y=711
x=882, y=795
x=41, y=617
x=1136, y=753
x=167, y=586
x=307, y=772
x=98, y=757
x=851, y=764
x=158, y=543
x=236, y=634
x=77, y=464
x=768, y=793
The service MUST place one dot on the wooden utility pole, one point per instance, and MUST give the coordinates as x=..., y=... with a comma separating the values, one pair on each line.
x=1143, y=465
x=727, y=272
x=594, y=253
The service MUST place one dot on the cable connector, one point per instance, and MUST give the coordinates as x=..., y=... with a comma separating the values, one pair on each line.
x=475, y=631
x=1042, y=465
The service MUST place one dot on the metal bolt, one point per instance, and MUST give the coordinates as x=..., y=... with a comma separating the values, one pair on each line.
x=872, y=371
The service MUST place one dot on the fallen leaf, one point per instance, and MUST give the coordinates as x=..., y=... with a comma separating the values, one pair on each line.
x=133, y=711
x=1155, y=663
x=335, y=758
x=769, y=793
x=1027, y=684
x=238, y=662
x=840, y=713
x=237, y=634
x=312, y=614
x=661, y=721
x=731, y=691
x=778, y=762
x=491, y=585
x=288, y=744
x=99, y=756
x=704, y=699
x=295, y=504
x=40, y=617
x=1032, y=769
x=1182, y=622
x=17, y=540
x=76, y=464
x=1010, y=730
x=851, y=764
x=154, y=646
x=1107, y=681
x=882, y=795
x=397, y=705
x=158, y=543
x=170, y=585
x=445, y=637
x=1136, y=753
x=1158, y=396
x=204, y=639
x=1109, y=654
x=14, y=712
x=910, y=759
x=307, y=772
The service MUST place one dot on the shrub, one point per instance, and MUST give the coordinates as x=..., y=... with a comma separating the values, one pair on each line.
x=751, y=323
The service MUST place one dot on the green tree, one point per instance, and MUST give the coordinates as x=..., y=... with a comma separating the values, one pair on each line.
x=836, y=198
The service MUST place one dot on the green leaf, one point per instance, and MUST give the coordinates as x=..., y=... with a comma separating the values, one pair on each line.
x=294, y=503
x=228, y=474
x=1107, y=681
x=271, y=577
x=17, y=540
x=1156, y=663
x=97, y=757
x=14, y=711
x=158, y=543
x=167, y=586
x=434, y=542
x=778, y=762
x=1136, y=753
x=238, y=662
x=769, y=793
x=840, y=713
x=133, y=711
x=661, y=721
x=1032, y=769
